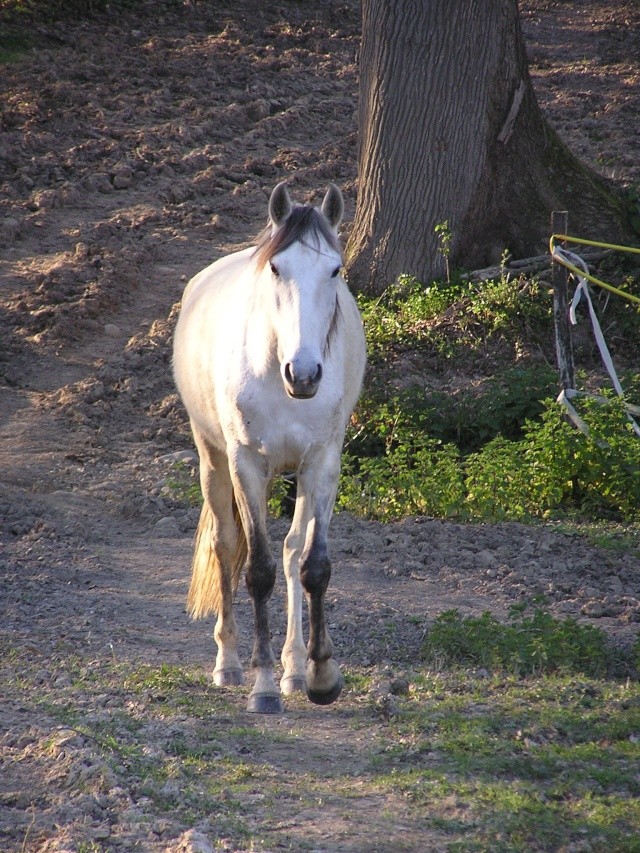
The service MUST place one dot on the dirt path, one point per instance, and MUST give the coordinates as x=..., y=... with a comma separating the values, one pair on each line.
x=132, y=155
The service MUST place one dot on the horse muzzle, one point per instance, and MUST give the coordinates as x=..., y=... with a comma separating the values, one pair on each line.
x=301, y=384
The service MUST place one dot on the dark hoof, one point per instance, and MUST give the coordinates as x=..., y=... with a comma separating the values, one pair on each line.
x=293, y=684
x=327, y=698
x=264, y=703
x=228, y=677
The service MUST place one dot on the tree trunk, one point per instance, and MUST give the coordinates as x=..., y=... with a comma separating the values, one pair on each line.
x=450, y=130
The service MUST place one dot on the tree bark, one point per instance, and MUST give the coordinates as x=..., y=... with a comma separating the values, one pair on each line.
x=451, y=130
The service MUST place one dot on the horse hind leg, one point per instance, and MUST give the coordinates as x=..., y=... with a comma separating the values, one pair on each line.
x=218, y=559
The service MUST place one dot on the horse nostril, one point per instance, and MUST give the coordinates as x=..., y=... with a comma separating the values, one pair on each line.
x=301, y=383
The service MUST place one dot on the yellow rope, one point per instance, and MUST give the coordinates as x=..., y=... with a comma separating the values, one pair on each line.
x=566, y=239
x=582, y=273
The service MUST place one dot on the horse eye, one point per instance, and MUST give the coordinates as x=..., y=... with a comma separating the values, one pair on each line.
x=274, y=270
x=336, y=272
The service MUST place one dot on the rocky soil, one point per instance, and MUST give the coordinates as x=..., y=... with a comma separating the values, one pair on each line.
x=132, y=153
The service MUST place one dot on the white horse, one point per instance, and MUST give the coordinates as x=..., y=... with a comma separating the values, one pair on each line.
x=269, y=356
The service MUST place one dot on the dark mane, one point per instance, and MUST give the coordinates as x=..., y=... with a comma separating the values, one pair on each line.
x=304, y=222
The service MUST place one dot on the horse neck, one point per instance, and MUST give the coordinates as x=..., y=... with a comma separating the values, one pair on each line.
x=261, y=340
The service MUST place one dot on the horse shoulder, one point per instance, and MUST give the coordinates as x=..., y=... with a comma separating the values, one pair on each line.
x=206, y=329
x=355, y=348
x=216, y=274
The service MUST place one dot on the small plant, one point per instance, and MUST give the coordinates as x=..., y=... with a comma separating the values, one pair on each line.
x=183, y=485
x=443, y=232
x=421, y=477
x=556, y=467
x=282, y=496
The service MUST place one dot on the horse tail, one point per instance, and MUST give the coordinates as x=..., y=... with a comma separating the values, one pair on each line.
x=205, y=591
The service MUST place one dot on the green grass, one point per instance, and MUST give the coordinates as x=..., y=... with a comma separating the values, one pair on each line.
x=13, y=46
x=618, y=538
x=528, y=644
x=487, y=762
x=522, y=762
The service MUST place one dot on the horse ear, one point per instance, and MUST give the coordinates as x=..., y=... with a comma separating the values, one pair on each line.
x=280, y=204
x=333, y=206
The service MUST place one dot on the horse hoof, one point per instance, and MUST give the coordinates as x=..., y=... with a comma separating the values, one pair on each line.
x=228, y=677
x=325, y=697
x=265, y=703
x=293, y=684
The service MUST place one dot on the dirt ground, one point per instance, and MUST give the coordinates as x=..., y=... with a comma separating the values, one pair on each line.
x=132, y=154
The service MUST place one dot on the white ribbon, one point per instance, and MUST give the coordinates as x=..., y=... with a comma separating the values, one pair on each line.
x=582, y=289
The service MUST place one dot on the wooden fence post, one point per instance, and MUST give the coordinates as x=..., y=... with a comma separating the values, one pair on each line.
x=564, y=348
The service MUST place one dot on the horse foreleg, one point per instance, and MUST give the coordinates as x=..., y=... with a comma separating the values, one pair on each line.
x=294, y=652
x=261, y=573
x=324, y=679
x=250, y=486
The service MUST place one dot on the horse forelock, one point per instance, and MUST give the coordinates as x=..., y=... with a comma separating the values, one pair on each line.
x=333, y=328
x=304, y=222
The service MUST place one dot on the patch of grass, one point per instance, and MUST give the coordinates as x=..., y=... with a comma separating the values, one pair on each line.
x=357, y=682
x=163, y=678
x=518, y=764
x=619, y=538
x=535, y=644
x=183, y=484
x=13, y=45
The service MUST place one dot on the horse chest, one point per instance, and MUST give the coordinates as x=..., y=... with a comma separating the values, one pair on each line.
x=286, y=433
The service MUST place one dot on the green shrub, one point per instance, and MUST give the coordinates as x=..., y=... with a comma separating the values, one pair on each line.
x=394, y=467
x=450, y=318
x=423, y=477
x=502, y=407
x=400, y=318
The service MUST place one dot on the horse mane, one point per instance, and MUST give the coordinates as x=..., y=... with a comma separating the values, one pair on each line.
x=304, y=221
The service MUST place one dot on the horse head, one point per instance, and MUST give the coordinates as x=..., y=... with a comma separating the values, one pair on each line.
x=301, y=260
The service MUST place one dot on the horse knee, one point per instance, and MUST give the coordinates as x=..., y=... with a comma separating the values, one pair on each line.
x=315, y=571
x=261, y=576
